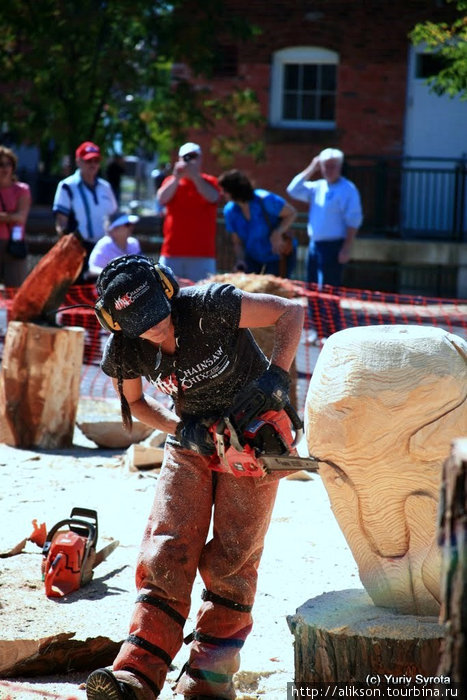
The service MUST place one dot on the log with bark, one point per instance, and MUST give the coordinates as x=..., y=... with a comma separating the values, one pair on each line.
x=452, y=530
x=39, y=385
x=41, y=364
x=45, y=288
x=342, y=637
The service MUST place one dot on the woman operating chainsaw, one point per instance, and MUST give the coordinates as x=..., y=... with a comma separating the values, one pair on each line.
x=193, y=344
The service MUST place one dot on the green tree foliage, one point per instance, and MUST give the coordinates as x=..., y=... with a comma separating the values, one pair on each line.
x=449, y=43
x=101, y=69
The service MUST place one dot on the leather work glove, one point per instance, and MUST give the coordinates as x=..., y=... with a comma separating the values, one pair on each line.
x=193, y=434
x=270, y=392
x=274, y=383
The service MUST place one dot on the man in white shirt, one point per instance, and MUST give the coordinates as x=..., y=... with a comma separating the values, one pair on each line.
x=334, y=217
x=84, y=201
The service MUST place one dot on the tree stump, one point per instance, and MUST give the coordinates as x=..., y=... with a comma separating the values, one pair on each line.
x=342, y=637
x=39, y=385
x=451, y=537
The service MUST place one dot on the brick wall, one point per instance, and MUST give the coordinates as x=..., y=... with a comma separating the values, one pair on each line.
x=371, y=40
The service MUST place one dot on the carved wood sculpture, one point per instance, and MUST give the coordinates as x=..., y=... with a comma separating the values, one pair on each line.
x=382, y=408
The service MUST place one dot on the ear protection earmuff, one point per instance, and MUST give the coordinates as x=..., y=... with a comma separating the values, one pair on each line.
x=162, y=274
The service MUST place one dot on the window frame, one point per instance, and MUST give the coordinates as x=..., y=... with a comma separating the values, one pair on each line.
x=313, y=55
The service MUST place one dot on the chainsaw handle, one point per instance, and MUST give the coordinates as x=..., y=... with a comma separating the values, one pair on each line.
x=56, y=566
x=90, y=515
x=68, y=521
x=296, y=422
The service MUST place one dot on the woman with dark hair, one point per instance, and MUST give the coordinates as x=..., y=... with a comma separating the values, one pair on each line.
x=195, y=345
x=259, y=222
x=15, y=203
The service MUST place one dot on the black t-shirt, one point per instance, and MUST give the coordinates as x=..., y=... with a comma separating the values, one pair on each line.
x=214, y=358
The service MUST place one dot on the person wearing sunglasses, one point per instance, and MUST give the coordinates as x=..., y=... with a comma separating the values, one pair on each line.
x=190, y=198
x=84, y=201
x=15, y=204
x=117, y=242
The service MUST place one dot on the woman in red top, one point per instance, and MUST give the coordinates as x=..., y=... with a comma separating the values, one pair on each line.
x=15, y=203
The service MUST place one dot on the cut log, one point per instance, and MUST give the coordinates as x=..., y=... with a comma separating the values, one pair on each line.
x=342, y=637
x=451, y=537
x=39, y=385
x=45, y=287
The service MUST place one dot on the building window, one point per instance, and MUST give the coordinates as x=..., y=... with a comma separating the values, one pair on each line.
x=303, y=89
x=428, y=65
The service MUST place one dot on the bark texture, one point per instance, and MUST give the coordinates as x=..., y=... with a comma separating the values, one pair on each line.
x=45, y=287
x=452, y=538
x=39, y=385
x=342, y=637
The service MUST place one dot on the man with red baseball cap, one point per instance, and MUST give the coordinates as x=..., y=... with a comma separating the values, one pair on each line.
x=84, y=201
x=88, y=151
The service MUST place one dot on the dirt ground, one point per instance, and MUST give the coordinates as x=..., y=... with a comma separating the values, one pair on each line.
x=305, y=555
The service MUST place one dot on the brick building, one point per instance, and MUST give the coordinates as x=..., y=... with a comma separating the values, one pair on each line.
x=326, y=72
x=343, y=73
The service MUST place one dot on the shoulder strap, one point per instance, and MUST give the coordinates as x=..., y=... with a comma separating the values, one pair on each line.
x=265, y=213
x=2, y=202
x=68, y=190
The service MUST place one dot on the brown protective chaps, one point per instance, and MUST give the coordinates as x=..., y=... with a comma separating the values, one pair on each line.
x=173, y=548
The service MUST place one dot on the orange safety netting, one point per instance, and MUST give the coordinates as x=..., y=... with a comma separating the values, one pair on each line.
x=329, y=310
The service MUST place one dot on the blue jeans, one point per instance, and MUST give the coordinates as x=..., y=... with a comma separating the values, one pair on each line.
x=324, y=268
x=193, y=269
x=323, y=265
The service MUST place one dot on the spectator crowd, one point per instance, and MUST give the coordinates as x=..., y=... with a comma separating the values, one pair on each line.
x=187, y=199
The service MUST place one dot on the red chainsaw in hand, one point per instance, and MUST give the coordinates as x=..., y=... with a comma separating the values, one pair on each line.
x=266, y=444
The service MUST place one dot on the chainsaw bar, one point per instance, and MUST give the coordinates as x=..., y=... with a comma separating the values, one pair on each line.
x=105, y=552
x=274, y=463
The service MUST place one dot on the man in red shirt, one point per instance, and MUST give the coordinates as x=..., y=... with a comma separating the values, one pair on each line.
x=190, y=198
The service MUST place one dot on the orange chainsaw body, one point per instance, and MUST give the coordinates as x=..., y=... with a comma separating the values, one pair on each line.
x=272, y=432
x=68, y=555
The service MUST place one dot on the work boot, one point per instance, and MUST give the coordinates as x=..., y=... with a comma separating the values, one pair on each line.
x=104, y=685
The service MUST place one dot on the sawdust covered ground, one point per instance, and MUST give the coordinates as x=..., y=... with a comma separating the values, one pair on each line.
x=305, y=555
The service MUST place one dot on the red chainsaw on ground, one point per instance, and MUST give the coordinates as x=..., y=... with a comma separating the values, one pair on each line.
x=266, y=444
x=69, y=554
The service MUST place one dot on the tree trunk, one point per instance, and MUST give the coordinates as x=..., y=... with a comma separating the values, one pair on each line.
x=39, y=385
x=452, y=538
x=342, y=637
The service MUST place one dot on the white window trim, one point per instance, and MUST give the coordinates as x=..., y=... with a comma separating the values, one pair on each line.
x=296, y=54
